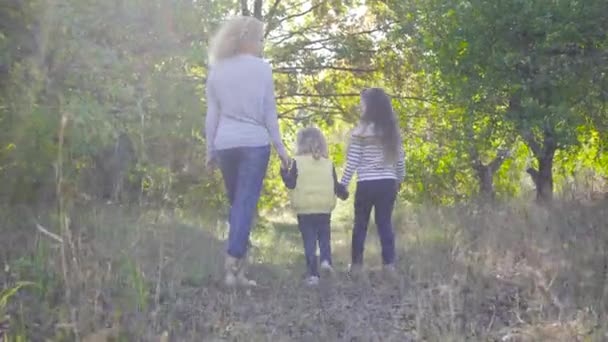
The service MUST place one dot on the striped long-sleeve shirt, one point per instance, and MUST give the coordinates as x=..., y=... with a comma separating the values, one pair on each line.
x=365, y=157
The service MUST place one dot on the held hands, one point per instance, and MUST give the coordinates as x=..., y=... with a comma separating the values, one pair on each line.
x=285, y=161
x=342, y=192
x=286, y=168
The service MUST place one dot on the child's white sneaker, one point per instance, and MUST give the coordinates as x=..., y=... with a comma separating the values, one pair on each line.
x=312, y=281
x=326, y=267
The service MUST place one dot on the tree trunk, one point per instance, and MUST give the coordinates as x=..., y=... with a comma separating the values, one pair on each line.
x=543, y=177
x=257, y=9
x=486, y=182
x=485, y=173
x=245, y=8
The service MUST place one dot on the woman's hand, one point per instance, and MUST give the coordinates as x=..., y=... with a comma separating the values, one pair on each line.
x=285, y=160
x=210, y=162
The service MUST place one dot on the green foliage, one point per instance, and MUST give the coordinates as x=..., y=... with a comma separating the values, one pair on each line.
x=138, y=291
x=7, y=294
x=454, y=68
x=36, y=268
x=469, y=79
x=510, y=66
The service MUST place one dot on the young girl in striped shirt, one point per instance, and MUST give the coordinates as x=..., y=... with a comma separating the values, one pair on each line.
x=375, y=154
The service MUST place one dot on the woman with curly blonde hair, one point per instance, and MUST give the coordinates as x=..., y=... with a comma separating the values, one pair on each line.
x=240, y=125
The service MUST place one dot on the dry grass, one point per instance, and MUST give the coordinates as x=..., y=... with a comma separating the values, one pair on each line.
x=514, y=273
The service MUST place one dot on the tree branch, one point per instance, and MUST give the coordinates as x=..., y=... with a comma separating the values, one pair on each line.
x=549, y=143
x=499, y=160
x=291, y=70
x=334, y=95
x=515, y=107
x=532, y=143
x=316, y=95
x=296, y=15
x=337, y=49
x=302, y=107
x=534, y=174
x=473, y=153
x=306, y=117
x=298, y=32
x=53, y=236
x=341, y=109
x=308, y=42
x=269, y=17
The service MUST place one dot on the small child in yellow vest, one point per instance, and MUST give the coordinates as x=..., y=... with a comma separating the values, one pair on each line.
x=314, y=184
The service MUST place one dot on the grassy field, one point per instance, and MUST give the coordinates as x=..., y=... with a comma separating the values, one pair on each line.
x=509, y=273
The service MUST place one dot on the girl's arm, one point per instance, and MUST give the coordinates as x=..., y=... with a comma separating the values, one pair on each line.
x=401, y=164
x=290, y=175
x=270, y=116
x=353, y=159
x=211, y=119
x=339, y=189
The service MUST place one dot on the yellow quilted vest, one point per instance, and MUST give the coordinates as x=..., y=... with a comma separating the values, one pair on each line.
x=314, y=192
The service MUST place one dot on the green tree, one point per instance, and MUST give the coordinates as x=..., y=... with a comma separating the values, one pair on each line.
x=536, y=62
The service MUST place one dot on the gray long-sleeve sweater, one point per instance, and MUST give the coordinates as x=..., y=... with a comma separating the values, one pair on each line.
x=241, y=107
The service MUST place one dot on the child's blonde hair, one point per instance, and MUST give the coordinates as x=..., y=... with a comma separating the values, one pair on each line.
x=311, y=141
x=229, y=40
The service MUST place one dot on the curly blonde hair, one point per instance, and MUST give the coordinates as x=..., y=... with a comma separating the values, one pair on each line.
x=311, y=141
x=233, y=35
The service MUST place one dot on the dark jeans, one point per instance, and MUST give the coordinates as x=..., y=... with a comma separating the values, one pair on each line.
x=315, y=228
x=243, y=170
x=380, y=195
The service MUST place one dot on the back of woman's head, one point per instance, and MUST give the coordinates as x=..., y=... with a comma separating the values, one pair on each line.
x=234, y=36
x=311, y=141
x=378, y=110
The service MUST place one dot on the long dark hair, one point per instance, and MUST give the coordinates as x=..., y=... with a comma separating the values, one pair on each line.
x=379, y=111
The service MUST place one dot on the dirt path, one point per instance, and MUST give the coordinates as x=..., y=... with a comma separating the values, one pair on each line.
x=338, y=309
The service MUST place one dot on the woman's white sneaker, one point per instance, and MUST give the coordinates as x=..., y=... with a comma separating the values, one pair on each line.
x=326, y=267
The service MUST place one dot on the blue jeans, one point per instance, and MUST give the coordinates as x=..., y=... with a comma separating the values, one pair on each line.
x=243, y=170
x=315, y=228
x=378, y=194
